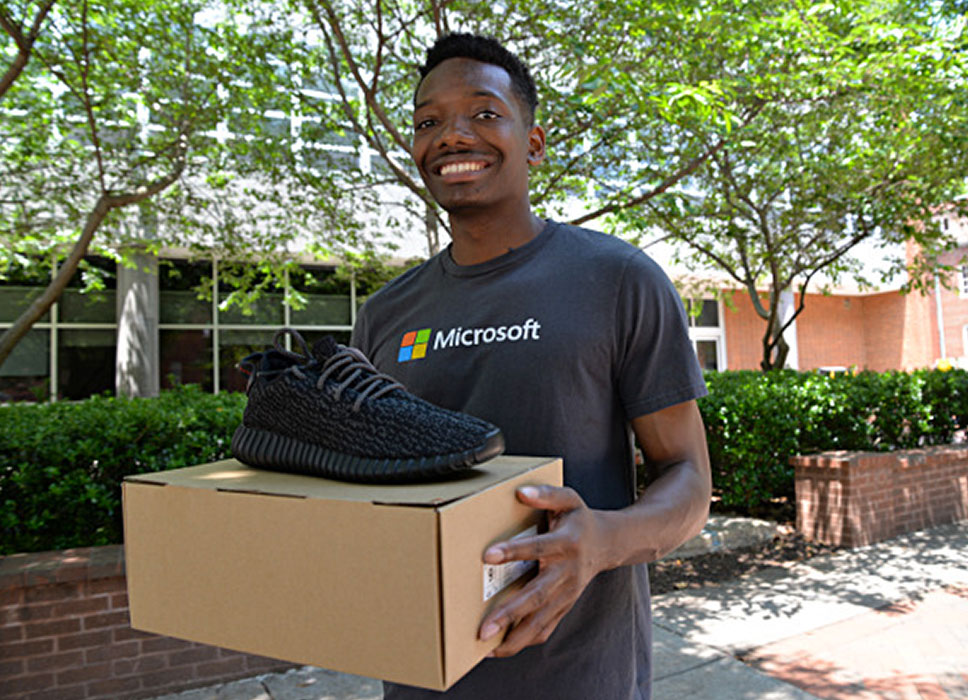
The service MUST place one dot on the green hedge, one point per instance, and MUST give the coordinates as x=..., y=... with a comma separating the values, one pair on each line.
x=61, y=464
x=756, y=421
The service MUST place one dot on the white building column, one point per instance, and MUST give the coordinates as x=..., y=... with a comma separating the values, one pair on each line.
x=786, y=310
x=137, y=366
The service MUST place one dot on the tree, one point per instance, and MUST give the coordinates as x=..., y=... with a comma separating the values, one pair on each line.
x=866, y=151
x=616, y=78
x=116, y=135
x=642, y=100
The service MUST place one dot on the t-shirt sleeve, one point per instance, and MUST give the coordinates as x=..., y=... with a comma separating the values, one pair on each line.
x=656, y=364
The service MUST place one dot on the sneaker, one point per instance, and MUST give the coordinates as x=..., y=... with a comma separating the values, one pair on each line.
x=329, y=412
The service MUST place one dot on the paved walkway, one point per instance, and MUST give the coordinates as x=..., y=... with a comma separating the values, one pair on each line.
x=885, y=621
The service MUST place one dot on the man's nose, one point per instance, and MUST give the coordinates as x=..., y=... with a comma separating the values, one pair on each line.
x=455, y=131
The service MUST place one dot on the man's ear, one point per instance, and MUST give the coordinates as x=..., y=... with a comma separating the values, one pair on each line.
x=536, y=145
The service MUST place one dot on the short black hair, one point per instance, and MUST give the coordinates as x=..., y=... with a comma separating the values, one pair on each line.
x=486, y=50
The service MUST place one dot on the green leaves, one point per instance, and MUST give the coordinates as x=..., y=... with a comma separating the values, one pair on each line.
x=862, y=132
x=61, y=464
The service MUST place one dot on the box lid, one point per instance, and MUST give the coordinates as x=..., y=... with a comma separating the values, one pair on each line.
x=232, y=475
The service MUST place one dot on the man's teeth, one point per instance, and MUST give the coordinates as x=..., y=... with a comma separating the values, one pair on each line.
x=460, y=168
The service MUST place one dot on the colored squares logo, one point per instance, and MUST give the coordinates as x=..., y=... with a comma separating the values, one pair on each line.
x=414, y=345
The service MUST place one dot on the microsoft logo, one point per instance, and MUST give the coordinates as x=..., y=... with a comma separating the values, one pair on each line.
x=414, y=345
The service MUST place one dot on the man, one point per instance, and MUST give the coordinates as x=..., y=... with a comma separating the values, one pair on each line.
x=568, y=340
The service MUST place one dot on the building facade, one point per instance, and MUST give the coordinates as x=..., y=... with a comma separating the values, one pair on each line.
x=150, y=327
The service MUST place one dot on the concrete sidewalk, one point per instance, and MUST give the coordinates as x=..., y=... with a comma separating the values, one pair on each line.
x=885, y=621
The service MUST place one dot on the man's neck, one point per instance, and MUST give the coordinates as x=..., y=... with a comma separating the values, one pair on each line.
x=483, y=237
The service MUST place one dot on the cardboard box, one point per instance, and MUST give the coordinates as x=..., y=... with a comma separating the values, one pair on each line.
x=381, y=581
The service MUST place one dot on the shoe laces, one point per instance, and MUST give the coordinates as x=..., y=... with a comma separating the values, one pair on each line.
x=348, y=368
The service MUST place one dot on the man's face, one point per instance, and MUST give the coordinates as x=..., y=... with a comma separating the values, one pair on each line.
x=473, y=142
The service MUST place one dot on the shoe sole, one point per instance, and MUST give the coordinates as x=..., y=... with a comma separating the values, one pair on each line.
x=265, y=450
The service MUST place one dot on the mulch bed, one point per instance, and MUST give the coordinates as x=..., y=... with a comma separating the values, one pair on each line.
x=712, y=569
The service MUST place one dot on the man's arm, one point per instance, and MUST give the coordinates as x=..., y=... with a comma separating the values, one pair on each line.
x=582, y=542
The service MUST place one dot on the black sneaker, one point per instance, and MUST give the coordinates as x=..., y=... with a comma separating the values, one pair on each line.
x=328, y=412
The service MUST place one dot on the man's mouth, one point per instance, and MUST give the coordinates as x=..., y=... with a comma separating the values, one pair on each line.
x=460, y=168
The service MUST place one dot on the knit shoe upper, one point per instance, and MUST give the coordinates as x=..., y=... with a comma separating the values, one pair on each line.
x=329, y=412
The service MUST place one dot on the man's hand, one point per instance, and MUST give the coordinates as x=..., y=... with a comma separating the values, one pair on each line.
x=581, y=542
x=569, y=555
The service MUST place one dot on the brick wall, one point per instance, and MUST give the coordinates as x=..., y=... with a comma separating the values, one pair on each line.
x=64, y=633
x=744, y=330
x=857, y=498
x=886, y=331
x=830, y=332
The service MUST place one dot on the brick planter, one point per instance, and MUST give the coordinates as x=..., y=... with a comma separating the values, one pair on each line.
x=857, y=498
x=64, y=633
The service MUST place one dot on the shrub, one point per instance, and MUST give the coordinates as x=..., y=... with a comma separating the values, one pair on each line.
x=755, y=422
x=61, y=464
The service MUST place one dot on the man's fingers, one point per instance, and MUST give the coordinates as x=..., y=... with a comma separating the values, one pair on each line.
x=550, y=497
x=534, y=629
x=518, y=607
x=519, y=549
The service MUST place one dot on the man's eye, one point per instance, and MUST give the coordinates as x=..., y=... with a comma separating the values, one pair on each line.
x=423, y=124
x=487, y=114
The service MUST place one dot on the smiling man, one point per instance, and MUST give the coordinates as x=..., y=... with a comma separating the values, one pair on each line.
x=570, y=341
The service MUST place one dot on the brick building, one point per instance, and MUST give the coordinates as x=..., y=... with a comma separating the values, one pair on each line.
x=876, y=330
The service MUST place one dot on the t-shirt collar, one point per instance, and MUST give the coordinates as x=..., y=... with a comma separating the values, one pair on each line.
x=514, y=256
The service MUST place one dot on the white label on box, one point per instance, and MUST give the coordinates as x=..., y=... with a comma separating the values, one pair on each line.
x=497, y=577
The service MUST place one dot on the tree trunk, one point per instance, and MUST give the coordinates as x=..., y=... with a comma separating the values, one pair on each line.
x=780, y=353
x=775, y=347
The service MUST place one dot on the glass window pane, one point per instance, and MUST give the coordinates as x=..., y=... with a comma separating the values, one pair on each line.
x=85, y=362
x=709, y=315
x=179, y=281
x=322, y=310
x=708, y=354
x=93, y=307
x=14, y=300
x=328, y=160
x=186, y=358
x=24, y=375
x=319, y=280
x=184, y=307
x=265, y=311
x=233, y=346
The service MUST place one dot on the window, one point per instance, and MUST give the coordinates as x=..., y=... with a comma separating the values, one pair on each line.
x=70, y=353
x=74, y=342
x=25, y=375
x=706, y=333
x=963, y=280
x=202, y=343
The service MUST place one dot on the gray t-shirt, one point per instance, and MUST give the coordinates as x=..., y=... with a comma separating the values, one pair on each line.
x=559, y=343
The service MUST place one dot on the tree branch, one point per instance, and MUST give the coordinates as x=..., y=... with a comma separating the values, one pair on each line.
x=85, y=69
x=550, y=185
x=25, y=44
x=370, y=137
x=683, y=172
x=368, y=94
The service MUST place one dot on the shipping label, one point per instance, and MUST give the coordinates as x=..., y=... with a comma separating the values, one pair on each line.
x=497, y=577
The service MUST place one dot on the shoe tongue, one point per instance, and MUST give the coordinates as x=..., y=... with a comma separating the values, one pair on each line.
x=325, y=348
